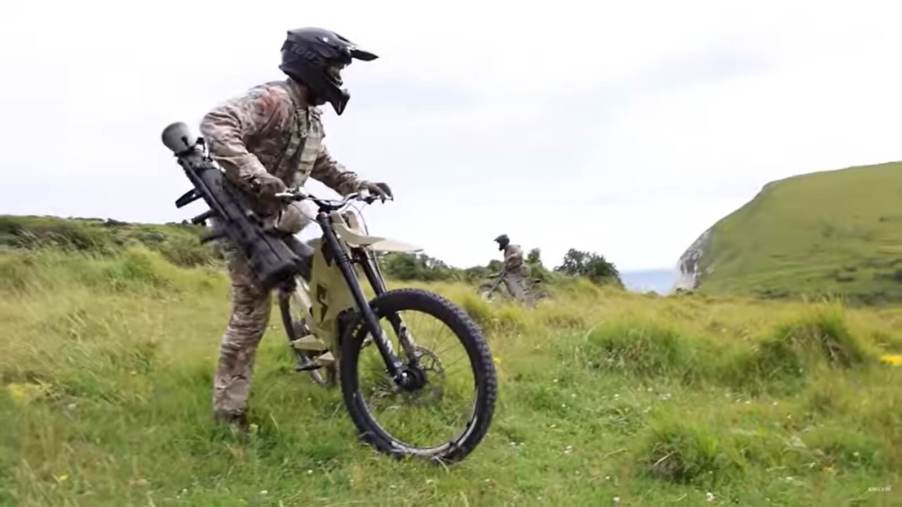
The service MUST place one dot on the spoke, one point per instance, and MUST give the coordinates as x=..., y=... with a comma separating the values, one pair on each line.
x=437, y=412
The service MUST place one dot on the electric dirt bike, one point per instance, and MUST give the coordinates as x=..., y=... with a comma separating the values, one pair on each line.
x=495, y=287
x=415, y=372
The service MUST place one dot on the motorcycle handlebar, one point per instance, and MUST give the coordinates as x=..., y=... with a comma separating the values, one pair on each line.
x=326, y=204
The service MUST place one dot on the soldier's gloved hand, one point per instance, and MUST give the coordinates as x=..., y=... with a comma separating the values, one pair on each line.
x=291, y=219
x=380, y=190
x=267, y=185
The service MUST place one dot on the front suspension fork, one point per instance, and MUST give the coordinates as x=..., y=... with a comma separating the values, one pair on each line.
x=394, y=366
x=378, y=284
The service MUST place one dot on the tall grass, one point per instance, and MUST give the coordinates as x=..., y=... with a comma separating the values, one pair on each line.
x=106, y=365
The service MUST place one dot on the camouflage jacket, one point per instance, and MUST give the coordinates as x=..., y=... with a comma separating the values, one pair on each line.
x=513, y=258
x=272, y=129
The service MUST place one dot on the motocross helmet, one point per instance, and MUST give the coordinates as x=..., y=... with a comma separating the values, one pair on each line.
x=315, y=57
x=502, y=241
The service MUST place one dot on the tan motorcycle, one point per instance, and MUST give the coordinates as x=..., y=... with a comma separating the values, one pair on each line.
x=416, y=373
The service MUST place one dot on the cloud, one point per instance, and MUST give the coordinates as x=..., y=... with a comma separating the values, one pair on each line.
x=625, y=128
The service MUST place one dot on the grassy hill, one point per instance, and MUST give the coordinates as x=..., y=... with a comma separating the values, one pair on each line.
x=837, y=232
x=177, y=243
x=606, y=398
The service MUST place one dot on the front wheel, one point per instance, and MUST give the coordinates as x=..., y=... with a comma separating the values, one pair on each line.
x=447, y=411
x=486, y=291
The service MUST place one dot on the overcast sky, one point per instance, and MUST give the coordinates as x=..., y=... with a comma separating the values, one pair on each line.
x=626, y=128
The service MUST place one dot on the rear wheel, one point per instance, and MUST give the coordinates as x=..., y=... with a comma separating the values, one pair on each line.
x=447, y=408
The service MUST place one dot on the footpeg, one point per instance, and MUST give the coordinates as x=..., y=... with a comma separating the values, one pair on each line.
x=320, y=361
x=326, y=359
x=310, y=343
x=307, y=365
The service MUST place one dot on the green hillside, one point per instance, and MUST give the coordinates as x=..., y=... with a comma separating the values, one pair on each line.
x=836, y=233
x=605, y=397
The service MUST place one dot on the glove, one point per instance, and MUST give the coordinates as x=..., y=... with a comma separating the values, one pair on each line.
x=380, y=190
x=267, y=185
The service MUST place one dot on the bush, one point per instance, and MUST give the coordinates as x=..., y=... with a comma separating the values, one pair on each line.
x=494, y=318
x=824, y=334
x=685, y=454
x=188, y=251
x=476, y=274
x=840, y=447
x=772, y=366
x=590, y=265
x=180, y=244
x=779, y=363
x=405, y=266
x=35, y=232
x=641, y=348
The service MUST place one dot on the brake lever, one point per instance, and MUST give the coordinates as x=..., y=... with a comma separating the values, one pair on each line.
x=370, y=198
x=367, y=197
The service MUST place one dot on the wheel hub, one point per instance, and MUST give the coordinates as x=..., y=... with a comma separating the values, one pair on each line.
x=412, y=378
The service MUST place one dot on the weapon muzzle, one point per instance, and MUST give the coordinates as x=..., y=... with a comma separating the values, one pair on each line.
x=177, y=137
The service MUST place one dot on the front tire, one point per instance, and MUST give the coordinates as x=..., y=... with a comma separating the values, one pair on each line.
x=396, y=420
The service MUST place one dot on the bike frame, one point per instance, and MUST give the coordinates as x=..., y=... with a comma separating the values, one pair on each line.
x=498, y=280
x=345, y=256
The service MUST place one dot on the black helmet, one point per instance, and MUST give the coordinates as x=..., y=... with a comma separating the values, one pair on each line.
x=502, y=241
x=315, y=57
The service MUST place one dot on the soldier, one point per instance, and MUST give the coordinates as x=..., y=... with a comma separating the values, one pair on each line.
x=516, y=273
x=267, y=140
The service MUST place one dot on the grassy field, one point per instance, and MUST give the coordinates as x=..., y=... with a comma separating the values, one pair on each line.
x=836, y=232
x=606, y=398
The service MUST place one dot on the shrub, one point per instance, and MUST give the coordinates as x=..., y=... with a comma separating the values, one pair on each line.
x=834, y=446
x=34, y=232
x=642, y=348
x=772, y=366
x=779, y=363
x=686, y=454
x=406, y=266
x=495, y=318
x=824, y=334
x=590, y=265
x=187, y=251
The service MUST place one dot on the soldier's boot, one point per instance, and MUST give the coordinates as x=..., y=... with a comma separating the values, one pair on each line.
x=234, y=420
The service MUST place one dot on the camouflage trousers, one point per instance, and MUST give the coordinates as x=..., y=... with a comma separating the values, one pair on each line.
x=251, y=305
x=516, y=282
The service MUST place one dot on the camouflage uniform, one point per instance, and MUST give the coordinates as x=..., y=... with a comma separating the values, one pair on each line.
x=271, y=129
x=516, y=273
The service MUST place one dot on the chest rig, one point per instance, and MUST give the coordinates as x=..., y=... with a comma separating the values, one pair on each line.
x=304, y=141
